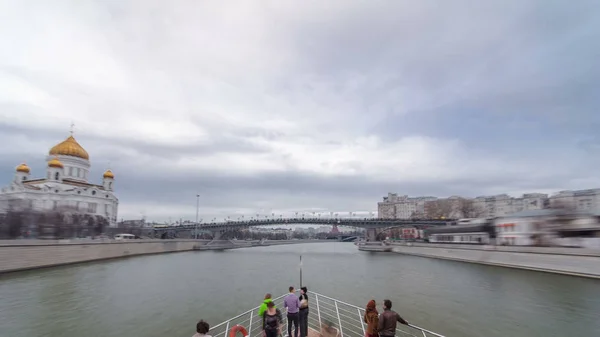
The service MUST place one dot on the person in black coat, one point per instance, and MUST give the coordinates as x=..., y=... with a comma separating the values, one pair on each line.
x=303, y=312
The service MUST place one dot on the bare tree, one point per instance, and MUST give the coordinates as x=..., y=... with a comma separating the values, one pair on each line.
x=417, y=215
x=438, y=209
x=468, y=209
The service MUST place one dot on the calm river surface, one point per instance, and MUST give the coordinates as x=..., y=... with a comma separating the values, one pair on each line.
x=164, y=295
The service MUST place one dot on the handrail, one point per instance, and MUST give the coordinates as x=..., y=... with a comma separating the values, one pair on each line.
x=245, y=313
x=324, y=310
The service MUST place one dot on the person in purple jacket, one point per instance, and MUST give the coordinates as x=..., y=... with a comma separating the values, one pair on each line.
x=292, y=303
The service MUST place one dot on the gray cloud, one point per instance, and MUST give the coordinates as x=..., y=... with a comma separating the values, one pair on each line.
x=314, y=106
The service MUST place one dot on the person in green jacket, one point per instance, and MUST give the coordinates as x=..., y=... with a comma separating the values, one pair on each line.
x=263, y=306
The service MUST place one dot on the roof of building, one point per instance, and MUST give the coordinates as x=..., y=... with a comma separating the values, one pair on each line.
x=64, y=181
x=69, y=147
x=34, y=181
x=23, y=168
x=54, y=162
x=80, y=183
x=108, y=174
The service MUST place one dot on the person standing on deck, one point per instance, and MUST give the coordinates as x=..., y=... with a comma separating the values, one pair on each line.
x=372, y=319
x=271, y=321
x=263, y=306
x=292, y=304
x=202, y=329
x=303, y=313
x=388, y=319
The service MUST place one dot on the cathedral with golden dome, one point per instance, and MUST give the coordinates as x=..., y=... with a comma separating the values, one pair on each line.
x=64, y=187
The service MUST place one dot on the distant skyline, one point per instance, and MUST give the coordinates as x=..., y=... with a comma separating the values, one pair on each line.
x=270, y=107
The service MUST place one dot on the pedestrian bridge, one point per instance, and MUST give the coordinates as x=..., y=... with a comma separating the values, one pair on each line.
x=217, y=228
x=359, y=223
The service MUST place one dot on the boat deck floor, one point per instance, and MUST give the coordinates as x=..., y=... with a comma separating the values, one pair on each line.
x=314, y=333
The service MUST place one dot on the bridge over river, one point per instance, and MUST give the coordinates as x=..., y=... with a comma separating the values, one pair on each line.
x=216, y=229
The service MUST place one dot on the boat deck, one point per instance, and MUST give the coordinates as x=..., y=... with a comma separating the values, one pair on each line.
x=327, y=317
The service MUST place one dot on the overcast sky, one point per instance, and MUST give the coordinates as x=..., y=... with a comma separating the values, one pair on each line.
x=277, y=106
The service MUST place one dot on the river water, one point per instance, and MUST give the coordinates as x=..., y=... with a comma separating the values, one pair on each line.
x=164, y=295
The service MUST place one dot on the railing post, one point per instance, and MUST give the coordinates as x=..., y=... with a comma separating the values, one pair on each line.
x=362, y=322
x=250, y=325
x=337, y=311
x=318, y=312
x=227, y=328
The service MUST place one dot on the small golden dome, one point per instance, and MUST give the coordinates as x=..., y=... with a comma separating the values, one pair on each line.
x=54, y=162
x=23, y=168
x=69, y=147
x=108, y=174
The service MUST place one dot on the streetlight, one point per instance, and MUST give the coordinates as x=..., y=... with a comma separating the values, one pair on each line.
x=197, y=209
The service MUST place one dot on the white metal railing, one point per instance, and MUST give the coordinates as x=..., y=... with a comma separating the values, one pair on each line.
x=339, y=318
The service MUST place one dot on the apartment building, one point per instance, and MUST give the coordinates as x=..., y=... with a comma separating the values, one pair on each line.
x=581, y=200
x=503, y=204
x=394, y=206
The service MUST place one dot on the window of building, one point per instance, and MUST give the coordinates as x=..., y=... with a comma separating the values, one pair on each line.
x=93, y=192
x=56, y=176
x=78, y=172
x=71, y=171
x=92, y=207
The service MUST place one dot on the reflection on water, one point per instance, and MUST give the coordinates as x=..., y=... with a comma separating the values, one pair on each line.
x=164, y=295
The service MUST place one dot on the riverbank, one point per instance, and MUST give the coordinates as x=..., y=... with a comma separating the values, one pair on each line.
x=558, y=260
x=18, y=255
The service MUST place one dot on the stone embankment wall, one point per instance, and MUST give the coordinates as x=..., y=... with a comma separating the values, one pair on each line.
x=570, y=261
x=18, y=255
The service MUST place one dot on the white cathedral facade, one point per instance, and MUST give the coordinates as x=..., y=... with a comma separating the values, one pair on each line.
x=65, y=185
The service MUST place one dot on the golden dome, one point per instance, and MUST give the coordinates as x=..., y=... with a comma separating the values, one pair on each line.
x=69, y=147
x=23, y=168
x=108, y=174
x=54, y=162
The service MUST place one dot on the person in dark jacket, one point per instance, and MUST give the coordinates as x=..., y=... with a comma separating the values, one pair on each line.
x=271, y=321
x=388, y=319
x=303, y=317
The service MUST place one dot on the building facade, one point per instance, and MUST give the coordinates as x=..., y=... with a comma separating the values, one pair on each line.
x=581, y=200
x=64, y=186
x=525, y=228
x=394, y=206
x=503, y=204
